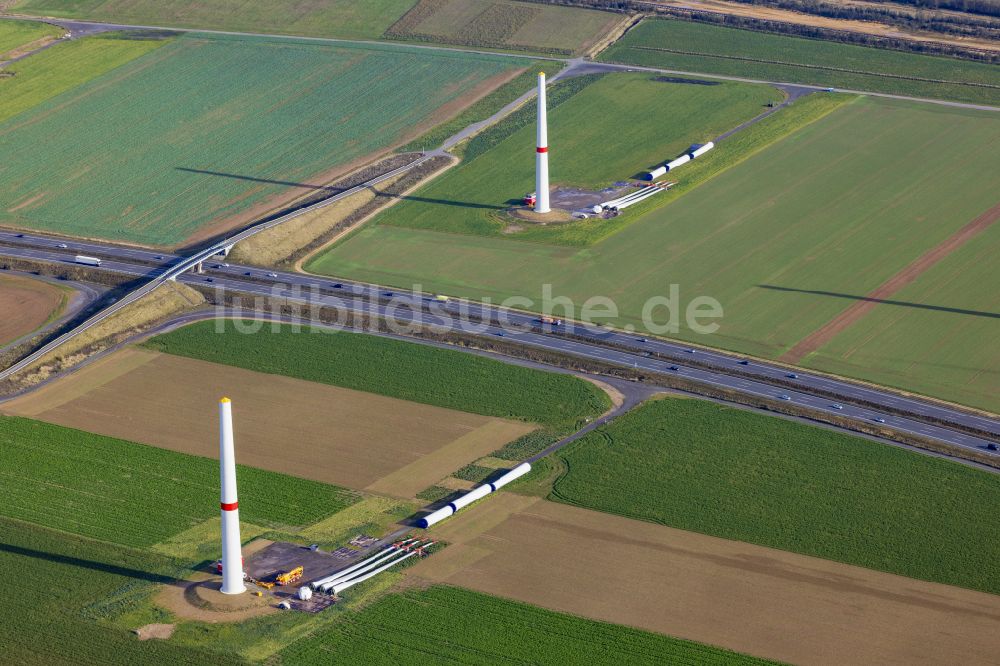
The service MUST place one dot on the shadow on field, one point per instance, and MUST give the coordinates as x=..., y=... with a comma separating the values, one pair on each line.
x=85, y=564
x=336, y=190
x=907, y=304
x=443, y=202
x=269, y=181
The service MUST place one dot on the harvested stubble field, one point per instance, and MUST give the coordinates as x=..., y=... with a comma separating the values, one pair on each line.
x=837, y=207
x=697, y=47
x=736, y=474
x=27, y=305
x=91, y=485
x=65, y=66
x=600, y=133
x=734, y=595
x=305, y=429
x=348, y=19
x=455, y=625
x=504, y=24
x=181, y=143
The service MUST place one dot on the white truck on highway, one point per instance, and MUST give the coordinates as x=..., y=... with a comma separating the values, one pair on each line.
x=87, y=261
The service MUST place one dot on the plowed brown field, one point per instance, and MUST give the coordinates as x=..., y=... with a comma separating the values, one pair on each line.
x=748, y=598
x=25, y=305
x=310, y=430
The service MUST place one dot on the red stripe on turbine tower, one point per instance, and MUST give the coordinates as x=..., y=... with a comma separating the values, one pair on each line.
x=230, y=507
x=541, y=150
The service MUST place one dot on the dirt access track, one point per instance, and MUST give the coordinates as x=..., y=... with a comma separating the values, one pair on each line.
x=908, y=274
x=26, y=305
x=314, y=431
x=756, y=600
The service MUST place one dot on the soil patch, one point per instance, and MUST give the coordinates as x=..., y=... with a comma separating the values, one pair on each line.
x=740, y=596
x=305, y=429
x=553, y=217
x=863, y=306
x=161, y=631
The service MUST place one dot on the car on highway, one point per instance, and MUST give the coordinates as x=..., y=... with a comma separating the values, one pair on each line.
x=20, y=236
x=785, y=396
x=272, y=275
x=209, y=280
x=158, y=257
x=744, y=362
x=991, y=447
x=674, y=368
x=792, y=375
x=837, y=405
x=337, y=285
x=690, y=351
x=388, y=294
x=878, y=419
x=500, y=334
x=62, y=246
x=642, y=340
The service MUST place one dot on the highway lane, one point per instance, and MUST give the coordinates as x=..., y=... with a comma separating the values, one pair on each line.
x=721, y=361
x=447, y=320
x=452, y=315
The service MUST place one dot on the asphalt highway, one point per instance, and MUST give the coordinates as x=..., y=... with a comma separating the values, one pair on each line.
x=522, y=328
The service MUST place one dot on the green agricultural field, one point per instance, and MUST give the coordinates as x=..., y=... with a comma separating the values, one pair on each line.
x=504, y=24
x=210, y=127
x=838, y=206
x=696, y=47
x=735, y=474
x=51, y=623
x=348, y=19
x=14, y=34
x=64, y=67
x=458, y=626
x=394, y=368
x=603, y=129
x=945, y=324
x=92, y=485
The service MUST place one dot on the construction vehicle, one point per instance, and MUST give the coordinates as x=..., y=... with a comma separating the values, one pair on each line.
x=550, y=320
x=530, y=199
x=289, y=576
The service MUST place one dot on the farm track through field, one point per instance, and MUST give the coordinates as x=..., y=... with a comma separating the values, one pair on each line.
x=855, y=312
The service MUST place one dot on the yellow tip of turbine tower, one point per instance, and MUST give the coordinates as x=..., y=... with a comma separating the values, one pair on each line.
x=225, y=400
x=542, y=73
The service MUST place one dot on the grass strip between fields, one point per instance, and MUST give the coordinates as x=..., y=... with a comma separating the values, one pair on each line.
x=736, y=474
x=394, y=368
